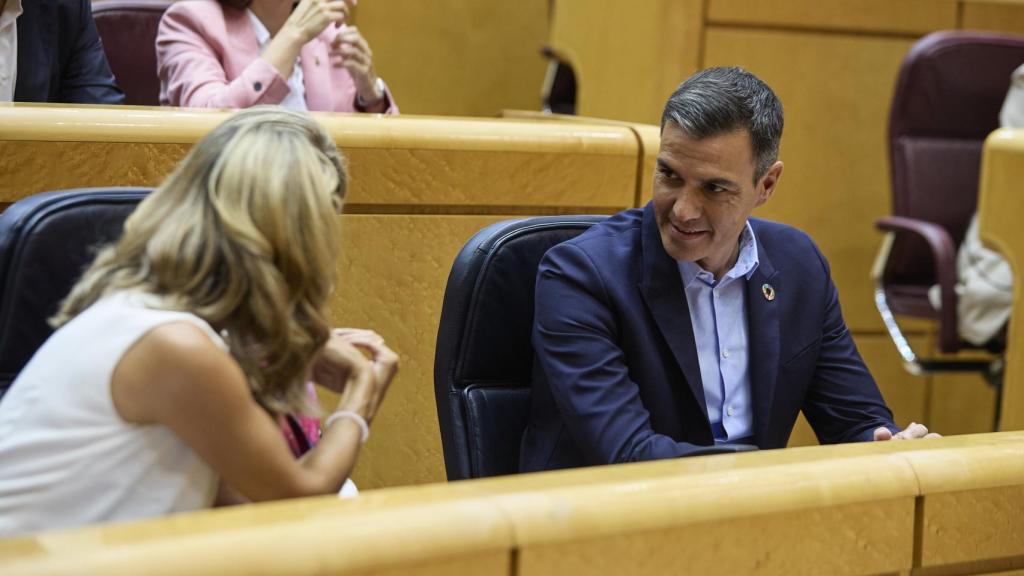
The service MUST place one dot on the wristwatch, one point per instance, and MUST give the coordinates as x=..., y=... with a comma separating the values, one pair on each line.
x=379, y=85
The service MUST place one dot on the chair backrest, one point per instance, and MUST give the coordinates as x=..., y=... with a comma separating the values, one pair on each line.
x=484, y=359
x=46, y=241
x=128, y=31
x=950, y=89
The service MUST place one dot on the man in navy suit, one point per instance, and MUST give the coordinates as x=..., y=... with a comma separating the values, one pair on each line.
x=687, y=324
x=59, y=54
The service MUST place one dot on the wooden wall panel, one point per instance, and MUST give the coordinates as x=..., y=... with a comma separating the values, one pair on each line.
x=458, y=57
x=960, y=404
x=836, y=91
x=877, y=16
x=1000, y=205
x=973, y=525
x=996, y=15
x=781, y=520
x=973, y=505
x=30, y=167
x=405, y=540
x=628, y=56
x=393, y=274
x=874, y=538
x=460, y=165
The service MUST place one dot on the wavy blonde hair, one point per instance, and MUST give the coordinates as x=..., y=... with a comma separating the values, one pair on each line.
x=244, y=235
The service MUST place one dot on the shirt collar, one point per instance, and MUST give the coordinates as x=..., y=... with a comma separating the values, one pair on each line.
x=262, y=34
x=746, y=262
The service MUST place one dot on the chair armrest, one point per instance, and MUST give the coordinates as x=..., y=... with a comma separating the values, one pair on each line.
x=944, y=258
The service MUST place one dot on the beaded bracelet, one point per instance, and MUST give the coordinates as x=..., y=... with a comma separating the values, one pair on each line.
x=359, y=420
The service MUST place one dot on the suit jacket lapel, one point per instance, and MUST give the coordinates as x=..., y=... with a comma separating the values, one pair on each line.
x=37, y=49
x=662, y=290
x=763, y=334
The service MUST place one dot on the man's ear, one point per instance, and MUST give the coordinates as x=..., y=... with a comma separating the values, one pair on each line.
x=768, y=182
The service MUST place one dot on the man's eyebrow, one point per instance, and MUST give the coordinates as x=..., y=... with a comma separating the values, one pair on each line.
x=721, y=182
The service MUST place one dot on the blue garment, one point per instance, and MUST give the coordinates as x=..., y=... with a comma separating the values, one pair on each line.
x=616, y=375
x=60, y=57
x=718, y=312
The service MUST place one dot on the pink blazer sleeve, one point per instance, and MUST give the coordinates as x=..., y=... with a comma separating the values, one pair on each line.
x=189, y=47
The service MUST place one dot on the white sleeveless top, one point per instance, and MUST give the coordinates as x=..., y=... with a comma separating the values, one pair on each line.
x=66, y=456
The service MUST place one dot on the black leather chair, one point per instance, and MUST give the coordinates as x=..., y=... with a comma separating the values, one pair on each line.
x=484, y=359
x=46, y=241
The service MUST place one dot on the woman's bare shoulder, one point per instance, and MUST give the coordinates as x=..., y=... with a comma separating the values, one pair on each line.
x=175, y=364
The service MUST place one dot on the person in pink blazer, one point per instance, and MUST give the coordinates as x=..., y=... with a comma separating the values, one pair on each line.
x=240, y=53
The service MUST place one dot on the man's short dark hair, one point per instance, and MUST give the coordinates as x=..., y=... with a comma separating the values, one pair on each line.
x=718, y=100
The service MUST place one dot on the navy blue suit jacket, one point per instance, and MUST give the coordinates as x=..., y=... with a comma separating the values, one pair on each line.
x=616, y=376
x=60, y=57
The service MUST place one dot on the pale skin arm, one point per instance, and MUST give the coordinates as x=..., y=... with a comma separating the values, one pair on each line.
x=177, y=377
x=913, y=432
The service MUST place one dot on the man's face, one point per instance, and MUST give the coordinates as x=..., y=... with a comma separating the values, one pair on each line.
x=704, y=191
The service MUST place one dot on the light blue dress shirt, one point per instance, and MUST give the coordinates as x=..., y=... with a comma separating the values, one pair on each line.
x=718, y=312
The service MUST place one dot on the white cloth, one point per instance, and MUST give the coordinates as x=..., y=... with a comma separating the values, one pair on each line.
x=984, y=289
x=68, y=458
x=1012, y=113
x=9, y=49
x=348, y=489
x=296, y=99
x=984, y=279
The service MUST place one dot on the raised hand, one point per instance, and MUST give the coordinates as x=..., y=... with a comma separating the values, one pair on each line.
x=311, y=17
x=350, y=50
x=357, y=364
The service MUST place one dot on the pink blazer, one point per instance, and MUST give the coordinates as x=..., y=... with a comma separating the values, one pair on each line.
x=207, y=56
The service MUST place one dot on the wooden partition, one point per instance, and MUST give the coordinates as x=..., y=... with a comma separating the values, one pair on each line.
x=1000, y=207
x=834, y=65
x=421, y=187
x=950, y=506
x=458, y=57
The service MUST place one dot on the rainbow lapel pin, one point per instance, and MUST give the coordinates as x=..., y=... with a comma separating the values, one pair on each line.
x=768, y=291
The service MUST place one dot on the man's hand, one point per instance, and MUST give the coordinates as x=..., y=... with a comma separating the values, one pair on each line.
x=912, y=432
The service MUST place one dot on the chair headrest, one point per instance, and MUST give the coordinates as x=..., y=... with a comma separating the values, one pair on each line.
x=487, y=317
x=952, y=84
x=46, y=240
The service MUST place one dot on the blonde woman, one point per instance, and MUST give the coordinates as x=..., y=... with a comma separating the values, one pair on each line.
x=183, y=341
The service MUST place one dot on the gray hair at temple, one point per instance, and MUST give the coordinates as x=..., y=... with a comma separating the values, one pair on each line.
x=719, y=100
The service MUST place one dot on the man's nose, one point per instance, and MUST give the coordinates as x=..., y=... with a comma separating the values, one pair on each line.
x=688, y=206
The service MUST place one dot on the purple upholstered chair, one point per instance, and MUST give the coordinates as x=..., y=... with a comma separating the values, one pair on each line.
x=128, y=31
x=948, y=95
